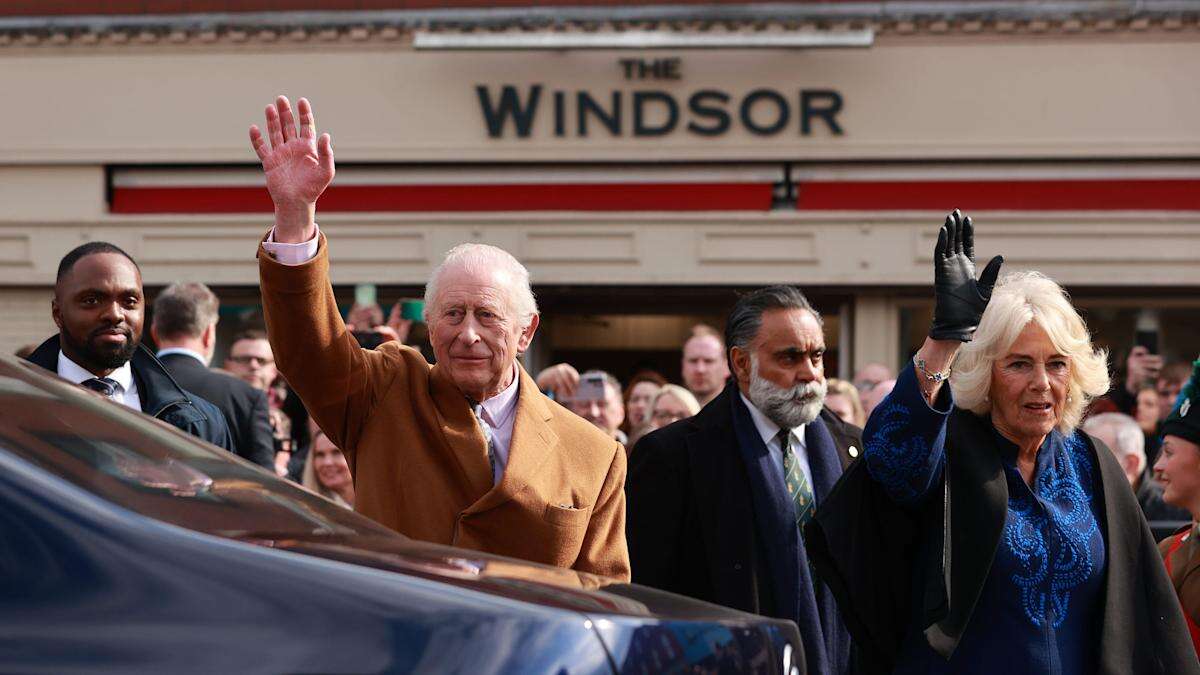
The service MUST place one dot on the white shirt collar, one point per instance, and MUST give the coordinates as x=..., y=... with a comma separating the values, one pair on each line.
x=182, y=350
x=69, y=370
x=768, y=429
x=499, y=408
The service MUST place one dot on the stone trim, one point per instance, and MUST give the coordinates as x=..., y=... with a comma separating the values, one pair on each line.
x=891, y=19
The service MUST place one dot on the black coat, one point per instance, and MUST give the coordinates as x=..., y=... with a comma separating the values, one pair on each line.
x=870, y=552
x=160, y=394
x=244, y=407
x=691, y=512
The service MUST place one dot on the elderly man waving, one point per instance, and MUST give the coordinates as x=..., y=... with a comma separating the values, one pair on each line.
x=467, y=452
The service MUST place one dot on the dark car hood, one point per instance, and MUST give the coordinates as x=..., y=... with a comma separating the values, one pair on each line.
x=518, y=580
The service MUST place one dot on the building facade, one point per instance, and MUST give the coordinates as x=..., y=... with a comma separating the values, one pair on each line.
x=643, y=185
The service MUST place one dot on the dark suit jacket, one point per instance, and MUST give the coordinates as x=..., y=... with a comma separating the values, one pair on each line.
x=244, y=407
x=702, y=524
x=161, y=396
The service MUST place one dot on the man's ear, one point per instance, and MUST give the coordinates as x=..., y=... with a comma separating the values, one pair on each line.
x=741, y=363
x=527, y=334
x=209, y=338
x=154, y=336
x=56, y=313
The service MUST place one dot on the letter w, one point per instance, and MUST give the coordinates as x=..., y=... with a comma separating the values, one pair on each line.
x=510, y=106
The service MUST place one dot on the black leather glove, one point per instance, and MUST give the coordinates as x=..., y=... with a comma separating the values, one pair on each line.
x=959, y=300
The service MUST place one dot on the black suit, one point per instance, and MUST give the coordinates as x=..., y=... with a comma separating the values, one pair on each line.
x=244, y=407
x=696, y=493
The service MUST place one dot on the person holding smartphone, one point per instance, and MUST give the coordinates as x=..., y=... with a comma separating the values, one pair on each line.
x=597, y=399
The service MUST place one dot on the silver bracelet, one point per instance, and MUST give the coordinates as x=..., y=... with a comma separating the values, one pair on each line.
x=937, y=377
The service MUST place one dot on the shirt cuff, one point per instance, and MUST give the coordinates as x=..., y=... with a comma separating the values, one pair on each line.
x=292, y=254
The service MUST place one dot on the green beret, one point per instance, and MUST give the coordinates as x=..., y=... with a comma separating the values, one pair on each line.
x=1181, y=422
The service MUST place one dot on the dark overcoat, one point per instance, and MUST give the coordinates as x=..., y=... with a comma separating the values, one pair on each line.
x=705, y=521
x=870, y=552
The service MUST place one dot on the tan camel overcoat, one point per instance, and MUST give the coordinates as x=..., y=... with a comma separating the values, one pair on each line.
x=416, y=451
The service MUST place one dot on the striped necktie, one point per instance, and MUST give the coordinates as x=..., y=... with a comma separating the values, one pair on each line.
x=105, y=386
x=486, y=428
x=797, y=484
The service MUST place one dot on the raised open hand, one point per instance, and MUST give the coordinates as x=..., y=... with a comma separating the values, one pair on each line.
x=298, y=166
x=959, y=298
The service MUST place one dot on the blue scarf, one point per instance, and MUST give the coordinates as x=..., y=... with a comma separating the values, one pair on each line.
x=826, y=642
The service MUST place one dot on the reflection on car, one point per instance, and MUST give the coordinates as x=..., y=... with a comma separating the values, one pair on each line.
x=129, y=546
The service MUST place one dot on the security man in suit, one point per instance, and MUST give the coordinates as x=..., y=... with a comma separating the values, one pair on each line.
x=467, y=452
x=717, y=501
x=184, y=327
x=99, y=309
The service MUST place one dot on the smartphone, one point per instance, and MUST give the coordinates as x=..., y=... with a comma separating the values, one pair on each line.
x=364, y=295
x=1147, y=339
x=413, y=310
x=591, y=388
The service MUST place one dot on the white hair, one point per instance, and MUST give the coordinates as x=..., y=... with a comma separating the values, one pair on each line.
x=1129, y=437
x=1018, y=300
x=682, y=395
x=481, y=258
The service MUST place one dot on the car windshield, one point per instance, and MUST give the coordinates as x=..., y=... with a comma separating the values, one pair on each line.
x=149, y=467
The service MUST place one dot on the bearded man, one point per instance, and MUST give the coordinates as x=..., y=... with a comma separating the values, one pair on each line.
x=99, y=309
x=716, y=502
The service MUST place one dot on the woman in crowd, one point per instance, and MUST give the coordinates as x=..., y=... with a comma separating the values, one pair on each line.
x=1178, y=467
x=639, y=394
x=326, y=472
x=670, y=404
x=842, y=399
x=982, y=533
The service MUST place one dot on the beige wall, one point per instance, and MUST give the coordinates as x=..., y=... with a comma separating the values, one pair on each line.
x=71, y=111
x=26, y=315
x=974, y=96
x=852, y=249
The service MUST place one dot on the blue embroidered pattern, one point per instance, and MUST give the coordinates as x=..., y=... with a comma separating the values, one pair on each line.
x=893, y=453
x=1048, y=571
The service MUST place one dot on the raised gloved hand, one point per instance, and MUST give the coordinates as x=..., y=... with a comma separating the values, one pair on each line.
x=959, y=300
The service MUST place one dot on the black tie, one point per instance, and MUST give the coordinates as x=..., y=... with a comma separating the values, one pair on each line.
x=103, y=385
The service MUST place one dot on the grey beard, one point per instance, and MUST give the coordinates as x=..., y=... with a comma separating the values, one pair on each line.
x=780, y=405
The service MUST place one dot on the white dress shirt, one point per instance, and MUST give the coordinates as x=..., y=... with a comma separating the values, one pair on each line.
x=127, y=391
x=769, y=432
x=292, y=254
x=499, y=412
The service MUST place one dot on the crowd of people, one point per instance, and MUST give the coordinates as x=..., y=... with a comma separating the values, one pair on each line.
x=983, y=510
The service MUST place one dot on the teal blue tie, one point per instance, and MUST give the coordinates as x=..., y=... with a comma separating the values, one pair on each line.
x=797, y=484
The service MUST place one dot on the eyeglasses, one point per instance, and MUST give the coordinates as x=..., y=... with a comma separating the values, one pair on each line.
x=252, y=360
x=666, y=416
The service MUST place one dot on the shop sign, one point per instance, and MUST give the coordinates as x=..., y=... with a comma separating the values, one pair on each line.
x=514, y=110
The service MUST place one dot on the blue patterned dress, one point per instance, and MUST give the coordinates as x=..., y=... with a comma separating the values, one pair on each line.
x=1039, y=608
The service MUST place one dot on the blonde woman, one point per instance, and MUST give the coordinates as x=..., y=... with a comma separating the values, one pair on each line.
x=326, y=472
x=981, y=532
x=842, y=398
x=670, y=404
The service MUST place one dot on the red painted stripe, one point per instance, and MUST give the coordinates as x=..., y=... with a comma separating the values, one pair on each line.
x=421, y=198
x=1015, y=195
